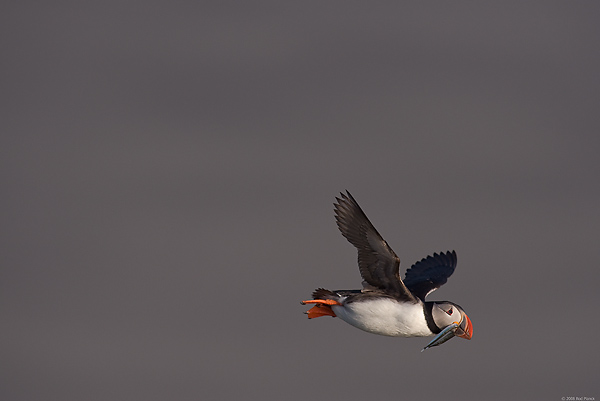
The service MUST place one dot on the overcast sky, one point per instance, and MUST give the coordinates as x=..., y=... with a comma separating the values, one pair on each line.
x=168, y=171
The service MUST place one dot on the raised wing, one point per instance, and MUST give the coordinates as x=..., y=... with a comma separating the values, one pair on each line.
x=377, y=262
x=430, y=273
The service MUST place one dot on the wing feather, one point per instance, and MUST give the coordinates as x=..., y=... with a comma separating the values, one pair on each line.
x=377, y=262
x=430, y=273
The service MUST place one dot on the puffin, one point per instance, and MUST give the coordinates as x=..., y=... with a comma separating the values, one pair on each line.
x=388, y=305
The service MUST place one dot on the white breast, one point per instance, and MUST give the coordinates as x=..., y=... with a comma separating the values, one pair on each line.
x=386, y=317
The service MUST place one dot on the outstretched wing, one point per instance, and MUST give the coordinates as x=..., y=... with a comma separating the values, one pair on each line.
x=377, y=262
x=430, y=273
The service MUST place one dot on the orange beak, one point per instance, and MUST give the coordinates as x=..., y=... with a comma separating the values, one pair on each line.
x=465, y=330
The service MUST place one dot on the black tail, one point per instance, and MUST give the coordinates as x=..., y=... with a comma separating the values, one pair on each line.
x=322, y=293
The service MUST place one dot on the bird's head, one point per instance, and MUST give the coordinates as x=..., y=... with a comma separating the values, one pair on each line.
x=448, y=313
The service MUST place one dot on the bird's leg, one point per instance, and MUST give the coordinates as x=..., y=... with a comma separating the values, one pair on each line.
x=322, y=307
x=321, y=302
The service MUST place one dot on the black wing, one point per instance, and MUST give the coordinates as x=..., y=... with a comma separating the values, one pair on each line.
x=430, y=273
x=377, y=262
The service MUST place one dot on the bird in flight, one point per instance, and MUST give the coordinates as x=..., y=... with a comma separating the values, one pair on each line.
x=388, y=305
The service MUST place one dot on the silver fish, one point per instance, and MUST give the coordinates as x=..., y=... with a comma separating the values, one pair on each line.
x=443, y=336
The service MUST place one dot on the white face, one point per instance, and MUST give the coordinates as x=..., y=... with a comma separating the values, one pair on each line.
x=446, y=313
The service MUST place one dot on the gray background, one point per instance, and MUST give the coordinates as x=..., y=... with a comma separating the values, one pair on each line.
x=168, y=171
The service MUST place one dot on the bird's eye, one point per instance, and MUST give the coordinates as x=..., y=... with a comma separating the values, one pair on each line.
x=449, y=312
